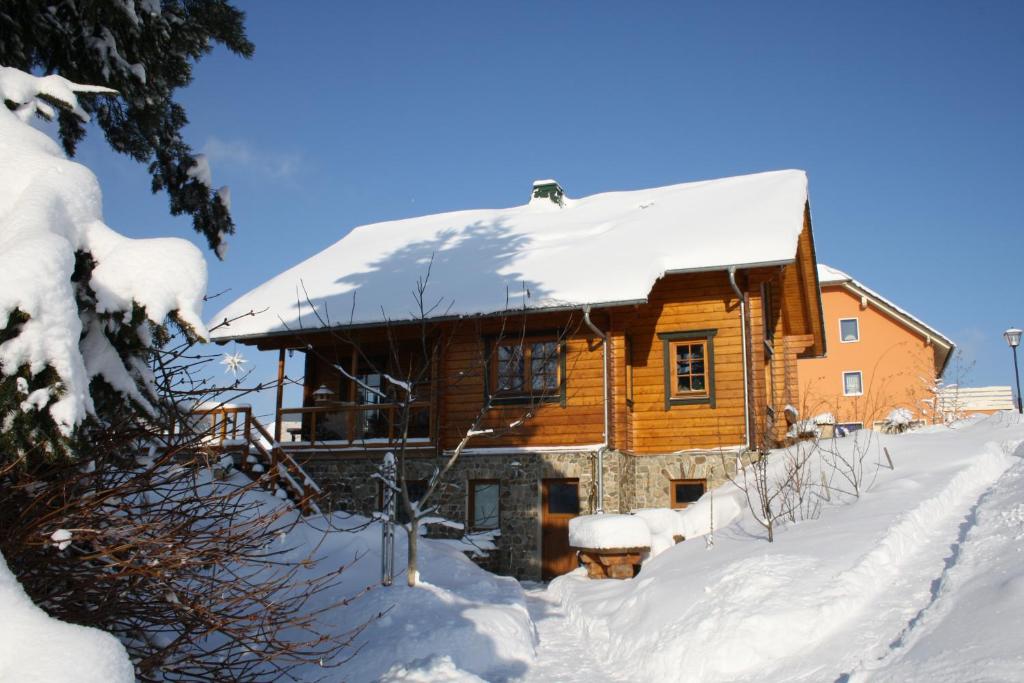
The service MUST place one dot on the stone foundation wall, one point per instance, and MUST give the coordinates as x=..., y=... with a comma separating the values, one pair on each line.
x=653, y=474
x=630, y=482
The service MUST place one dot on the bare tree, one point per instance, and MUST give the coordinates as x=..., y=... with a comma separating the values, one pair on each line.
x=402, y=384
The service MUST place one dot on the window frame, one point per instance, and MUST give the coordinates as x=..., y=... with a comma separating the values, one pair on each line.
x=673, y=504
x=849, y=341
x=669, y=340
x=859, y=374
x=471, y=504
x=527, y=396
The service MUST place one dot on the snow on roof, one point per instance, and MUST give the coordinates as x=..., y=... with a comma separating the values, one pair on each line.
x=827, y=275
x=601, y=249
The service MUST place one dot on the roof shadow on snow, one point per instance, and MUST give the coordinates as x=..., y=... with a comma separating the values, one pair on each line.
x=468, y=273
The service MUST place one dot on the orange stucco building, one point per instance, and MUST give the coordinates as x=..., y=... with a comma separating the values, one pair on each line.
x=880, y=357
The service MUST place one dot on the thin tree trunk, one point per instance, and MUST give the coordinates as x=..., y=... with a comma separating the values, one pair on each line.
x=412, y=574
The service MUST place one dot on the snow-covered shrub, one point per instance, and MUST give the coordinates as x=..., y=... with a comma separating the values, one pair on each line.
x=899, y=420
x=79, y=302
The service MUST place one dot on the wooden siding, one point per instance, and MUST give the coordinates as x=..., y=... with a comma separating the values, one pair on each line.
x=683, y=303
x=677, y=304
x=580, y=421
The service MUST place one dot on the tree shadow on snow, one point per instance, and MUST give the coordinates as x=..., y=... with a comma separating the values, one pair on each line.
x=470, y=270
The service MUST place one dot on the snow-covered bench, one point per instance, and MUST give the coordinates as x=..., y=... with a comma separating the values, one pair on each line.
x=610, y=546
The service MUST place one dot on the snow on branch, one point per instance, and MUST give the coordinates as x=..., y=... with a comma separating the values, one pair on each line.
x=54, y=247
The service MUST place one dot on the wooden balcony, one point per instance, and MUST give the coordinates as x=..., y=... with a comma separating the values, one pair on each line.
x=344, y=425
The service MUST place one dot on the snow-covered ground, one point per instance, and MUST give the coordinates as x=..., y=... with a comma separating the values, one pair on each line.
x=920, y=578
x=35, y=648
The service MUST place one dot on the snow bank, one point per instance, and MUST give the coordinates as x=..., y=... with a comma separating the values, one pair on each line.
x=609, y=531
x=432, y=670
x=829, y=596
x=50, y=209
x=970, y=629
x=470, y=621
x=540, y=254
x=35, y=648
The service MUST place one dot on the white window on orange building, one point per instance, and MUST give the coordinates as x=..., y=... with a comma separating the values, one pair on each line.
x=849, y=330
x=853, y=383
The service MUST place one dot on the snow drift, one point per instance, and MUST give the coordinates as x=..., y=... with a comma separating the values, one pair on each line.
x=36, y=648
x=833, y=595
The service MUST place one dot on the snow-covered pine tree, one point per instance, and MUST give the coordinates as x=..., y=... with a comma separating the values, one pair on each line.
x=79, y=303
x=143, y=49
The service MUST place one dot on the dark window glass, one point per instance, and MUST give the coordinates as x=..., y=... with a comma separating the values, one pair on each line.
x=687, y=491
x=511, y=368
x=544, y=366
x=564, y=498
x=419, y=423
x=370, y=376
x=373, y=423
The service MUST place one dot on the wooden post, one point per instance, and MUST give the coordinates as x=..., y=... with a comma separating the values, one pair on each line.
x=280, y=395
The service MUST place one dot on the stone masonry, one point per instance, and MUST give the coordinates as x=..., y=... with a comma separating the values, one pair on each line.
x=630, y=482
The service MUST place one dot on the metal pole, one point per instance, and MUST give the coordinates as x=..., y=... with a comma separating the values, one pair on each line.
x=387, y=546
x=1016, y=374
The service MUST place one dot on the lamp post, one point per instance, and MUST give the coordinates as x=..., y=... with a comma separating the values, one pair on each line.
x=1012, y=337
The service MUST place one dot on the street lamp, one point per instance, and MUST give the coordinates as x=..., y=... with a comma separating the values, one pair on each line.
x=1012, y=337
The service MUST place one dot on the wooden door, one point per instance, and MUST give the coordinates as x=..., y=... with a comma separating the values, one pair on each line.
x=560, y=502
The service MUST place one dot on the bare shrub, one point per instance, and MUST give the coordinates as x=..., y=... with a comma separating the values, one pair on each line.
x=152, y=536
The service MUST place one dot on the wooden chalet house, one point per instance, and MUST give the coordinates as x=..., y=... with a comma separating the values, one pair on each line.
x=640, y=340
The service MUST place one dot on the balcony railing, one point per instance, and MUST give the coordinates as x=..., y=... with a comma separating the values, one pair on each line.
x=353, y=425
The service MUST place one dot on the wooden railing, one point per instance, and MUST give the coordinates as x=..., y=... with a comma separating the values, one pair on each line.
x=226, y=422
x=234, y=427
x=360, y=424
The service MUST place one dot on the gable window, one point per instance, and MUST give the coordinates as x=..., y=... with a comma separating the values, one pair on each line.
x=483, y=504
x=849, y=330
x=853, y=383
x=525, y=370
x=686, y=491
x=689, y=367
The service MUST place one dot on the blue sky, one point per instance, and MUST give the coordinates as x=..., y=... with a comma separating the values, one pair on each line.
x=907, y=116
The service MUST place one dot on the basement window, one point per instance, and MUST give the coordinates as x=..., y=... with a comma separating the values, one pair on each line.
x=687, y=491
x=483, y=504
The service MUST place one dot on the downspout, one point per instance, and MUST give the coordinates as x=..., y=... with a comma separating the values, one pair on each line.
x=604, y=383
x=743, y=339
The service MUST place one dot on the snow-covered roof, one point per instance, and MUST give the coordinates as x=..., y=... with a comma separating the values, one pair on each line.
x=827, y=275
x=602, y=249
